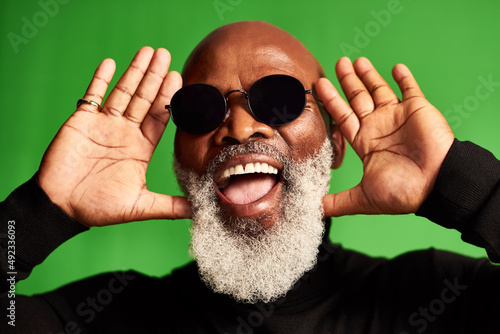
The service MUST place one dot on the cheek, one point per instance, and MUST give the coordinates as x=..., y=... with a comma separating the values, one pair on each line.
x=304, y=135
x=190, y=151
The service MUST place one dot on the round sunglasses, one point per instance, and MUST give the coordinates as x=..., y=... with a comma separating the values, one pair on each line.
x=274, y=100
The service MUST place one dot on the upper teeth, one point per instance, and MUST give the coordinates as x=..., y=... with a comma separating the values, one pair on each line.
x=250, y=168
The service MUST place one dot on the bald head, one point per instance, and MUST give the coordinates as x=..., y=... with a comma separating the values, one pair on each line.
x=249, y=46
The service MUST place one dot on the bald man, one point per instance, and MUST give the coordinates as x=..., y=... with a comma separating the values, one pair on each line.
x=256, y=175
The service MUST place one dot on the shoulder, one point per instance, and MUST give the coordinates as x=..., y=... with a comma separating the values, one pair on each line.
x=429, y=267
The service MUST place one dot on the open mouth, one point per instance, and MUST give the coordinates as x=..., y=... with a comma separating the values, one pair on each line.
x=246, y=182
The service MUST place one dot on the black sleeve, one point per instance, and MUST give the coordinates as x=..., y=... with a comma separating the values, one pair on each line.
x=31, y=227
x=466, y=196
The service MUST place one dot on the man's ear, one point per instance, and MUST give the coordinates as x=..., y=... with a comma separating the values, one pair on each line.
x=339, y=145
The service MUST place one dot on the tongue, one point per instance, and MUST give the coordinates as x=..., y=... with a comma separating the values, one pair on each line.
x=246, y=189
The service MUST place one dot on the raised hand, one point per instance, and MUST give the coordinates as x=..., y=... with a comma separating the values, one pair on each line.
x=95, y=168
x=402, y=144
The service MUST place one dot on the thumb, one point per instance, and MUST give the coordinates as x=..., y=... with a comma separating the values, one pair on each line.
x=160, y=206
x=347, y=202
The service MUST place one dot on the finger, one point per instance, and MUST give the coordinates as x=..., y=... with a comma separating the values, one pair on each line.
x=98, y=85
x=160, y=206
x=148, y=89
x=157, y=118
x=338, y=108
x=122, y=93
x=354, y=90
x=380, y=91
x=406, y=82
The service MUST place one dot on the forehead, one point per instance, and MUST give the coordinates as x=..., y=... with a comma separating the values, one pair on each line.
x=228, y=67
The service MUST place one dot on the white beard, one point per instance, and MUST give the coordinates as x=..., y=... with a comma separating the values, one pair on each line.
x=238, y=256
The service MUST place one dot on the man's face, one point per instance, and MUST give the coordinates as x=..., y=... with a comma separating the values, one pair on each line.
x=229, y=69
x=254, y=235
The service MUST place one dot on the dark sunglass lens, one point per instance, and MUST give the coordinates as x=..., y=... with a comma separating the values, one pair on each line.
x=198, y=108
x=277, y=99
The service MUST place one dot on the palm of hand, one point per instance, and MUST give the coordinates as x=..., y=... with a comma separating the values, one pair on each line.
x=397, y=177
x=106, y=167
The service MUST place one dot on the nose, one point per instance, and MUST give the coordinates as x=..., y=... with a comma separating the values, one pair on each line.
x=240, y=125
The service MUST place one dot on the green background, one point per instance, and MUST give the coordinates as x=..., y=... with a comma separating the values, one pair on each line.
x=449, y=46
